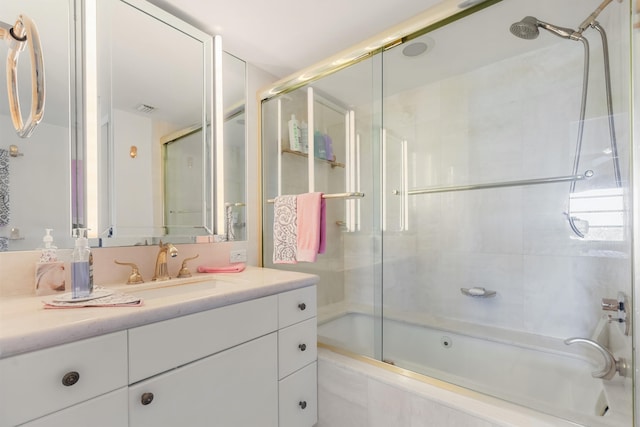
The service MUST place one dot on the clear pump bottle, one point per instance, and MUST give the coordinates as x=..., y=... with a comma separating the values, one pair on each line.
x=81, y=277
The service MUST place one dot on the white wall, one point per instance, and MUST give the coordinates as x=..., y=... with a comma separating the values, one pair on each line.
x=256, y=80
x=39, y=183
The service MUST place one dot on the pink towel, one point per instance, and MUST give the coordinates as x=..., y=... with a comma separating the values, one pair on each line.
x=234, y=268
x=311, y=227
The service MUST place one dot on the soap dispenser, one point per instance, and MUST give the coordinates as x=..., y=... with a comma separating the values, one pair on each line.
x=81, y=268
x=50, y=274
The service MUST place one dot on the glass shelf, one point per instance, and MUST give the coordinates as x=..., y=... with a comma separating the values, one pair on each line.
x=333, y=162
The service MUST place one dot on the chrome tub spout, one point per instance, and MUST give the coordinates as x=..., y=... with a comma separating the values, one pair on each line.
x=611, y=365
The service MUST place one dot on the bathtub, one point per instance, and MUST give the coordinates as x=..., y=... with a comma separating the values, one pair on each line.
x=551, y=380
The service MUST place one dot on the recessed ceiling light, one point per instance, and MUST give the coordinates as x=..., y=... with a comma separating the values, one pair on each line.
x=415, y=49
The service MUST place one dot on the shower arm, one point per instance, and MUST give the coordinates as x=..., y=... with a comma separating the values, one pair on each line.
x=592, y=18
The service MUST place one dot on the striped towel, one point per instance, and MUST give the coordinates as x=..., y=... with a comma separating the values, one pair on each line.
x=4, y=188
x=285, y=230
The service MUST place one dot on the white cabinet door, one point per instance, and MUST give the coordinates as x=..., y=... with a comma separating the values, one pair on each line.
x=299, y=398
x=109, y=410
x=42, y=382
x=237, y=387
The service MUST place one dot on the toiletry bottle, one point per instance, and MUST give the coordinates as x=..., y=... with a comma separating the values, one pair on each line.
x=304, y=137
x=81, y=280
x=328, y=144
x=50, y=274
x=48, y=253
x=294, y=134
x=318, y=145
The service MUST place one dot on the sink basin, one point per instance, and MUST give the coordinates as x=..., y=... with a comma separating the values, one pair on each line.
x=204, y=280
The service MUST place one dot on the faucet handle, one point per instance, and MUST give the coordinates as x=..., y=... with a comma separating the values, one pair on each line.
x=184, y=271
x=135, y=277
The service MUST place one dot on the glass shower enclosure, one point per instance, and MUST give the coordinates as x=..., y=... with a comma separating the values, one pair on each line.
x=478, y=202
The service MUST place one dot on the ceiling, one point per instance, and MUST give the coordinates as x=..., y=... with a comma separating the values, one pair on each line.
x=284, y=36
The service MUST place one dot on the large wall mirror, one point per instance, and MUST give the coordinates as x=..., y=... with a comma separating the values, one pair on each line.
x=35, y=173
x=150, y=168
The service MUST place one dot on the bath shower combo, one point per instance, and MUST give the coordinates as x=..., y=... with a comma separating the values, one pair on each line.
x=528, y=28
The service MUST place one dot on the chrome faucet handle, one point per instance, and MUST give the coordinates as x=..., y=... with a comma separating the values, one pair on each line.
x=609, y=304
x=135, y=277
x=621, y=306
x=611, y=365
x=184, y=271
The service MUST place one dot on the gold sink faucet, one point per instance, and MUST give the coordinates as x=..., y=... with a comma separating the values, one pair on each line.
x=162, y=270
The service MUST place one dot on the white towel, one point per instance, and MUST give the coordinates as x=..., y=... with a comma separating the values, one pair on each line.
x=4, y=188
x=285, y=228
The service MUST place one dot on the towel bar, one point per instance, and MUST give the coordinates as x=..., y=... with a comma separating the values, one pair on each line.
x=354, y=195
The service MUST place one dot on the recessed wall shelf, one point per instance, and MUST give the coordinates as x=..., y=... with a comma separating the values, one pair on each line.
x=333, y=163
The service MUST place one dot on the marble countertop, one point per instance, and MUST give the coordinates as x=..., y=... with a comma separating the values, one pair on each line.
x=25, y=325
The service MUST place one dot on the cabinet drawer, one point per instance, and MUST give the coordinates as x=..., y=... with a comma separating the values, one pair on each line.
x=236, y=387
x=297, y=346
x=296, y=306
x=299, y=398
x=165, y=345
x=32, y=383
x=109, y=410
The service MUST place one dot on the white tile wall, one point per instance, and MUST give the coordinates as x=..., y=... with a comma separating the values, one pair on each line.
x=512, y=120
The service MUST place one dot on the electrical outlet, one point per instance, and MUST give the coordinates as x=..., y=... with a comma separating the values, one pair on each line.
x=239, y=255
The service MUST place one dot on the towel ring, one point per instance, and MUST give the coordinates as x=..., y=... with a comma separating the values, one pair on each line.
x=23, y=33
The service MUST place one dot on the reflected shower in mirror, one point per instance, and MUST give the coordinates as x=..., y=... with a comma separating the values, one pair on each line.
x=234, y=147
x=156, y=96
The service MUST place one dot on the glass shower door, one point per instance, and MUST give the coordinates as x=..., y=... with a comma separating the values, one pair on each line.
x=484, y=275
x=337, y=116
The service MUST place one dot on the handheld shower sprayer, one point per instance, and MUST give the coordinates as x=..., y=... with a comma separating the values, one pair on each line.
x=528, y=29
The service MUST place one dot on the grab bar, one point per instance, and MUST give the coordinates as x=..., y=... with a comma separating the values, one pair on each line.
x=23, y=33
x=354, y=195
x=588, y=174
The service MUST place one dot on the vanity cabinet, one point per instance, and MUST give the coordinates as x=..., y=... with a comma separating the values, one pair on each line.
x=108, y=410
x=46, y=381
x=297, y=356
x=217, y=367
x=247, y=364
x=236, y=387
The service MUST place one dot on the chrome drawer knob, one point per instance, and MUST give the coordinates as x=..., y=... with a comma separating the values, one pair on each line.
x=146, y=398
x=302, y=404
x=70, y=378
x=302, y=306
x=302, y=347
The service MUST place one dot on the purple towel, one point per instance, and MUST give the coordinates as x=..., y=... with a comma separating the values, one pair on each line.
x=323, y=226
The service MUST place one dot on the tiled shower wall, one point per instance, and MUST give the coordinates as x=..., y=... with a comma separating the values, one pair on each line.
x=511, y=120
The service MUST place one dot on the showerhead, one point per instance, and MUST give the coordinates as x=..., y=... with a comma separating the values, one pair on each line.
x=527, y=29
